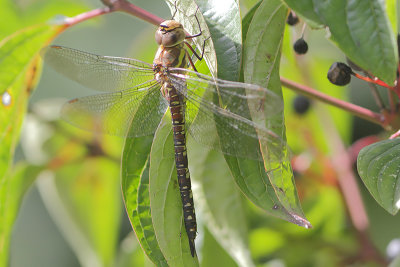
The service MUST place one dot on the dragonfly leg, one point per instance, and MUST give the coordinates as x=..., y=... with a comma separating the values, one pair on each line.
x=191, y=61
x=202, y=49
x=176, y=9
x=194, y=36
x=195, y=54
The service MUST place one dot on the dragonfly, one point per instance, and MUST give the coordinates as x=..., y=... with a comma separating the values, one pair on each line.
x=136, y=95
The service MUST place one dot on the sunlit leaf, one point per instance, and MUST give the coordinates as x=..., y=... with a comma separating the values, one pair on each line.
x=378, y=166
x=261, y=66
x=224, y=26
x=360, y=28
x=219, y=202
x=165, y=200
x=188, y=12
x=221, y=23
x=135, y=189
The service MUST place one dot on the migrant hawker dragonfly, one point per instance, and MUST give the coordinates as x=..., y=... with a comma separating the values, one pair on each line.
x=217, y=113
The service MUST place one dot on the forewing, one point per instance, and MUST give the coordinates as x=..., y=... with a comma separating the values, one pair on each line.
x=218, y=114
x=114, y=113
x=102, y=73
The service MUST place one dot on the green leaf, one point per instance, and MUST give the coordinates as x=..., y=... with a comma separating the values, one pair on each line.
x=12, y=191
x=246, y=23
x=221, y=22
x=222, y=53
x=360, y=28
x=224, y=26
x=262, y=50
x=135, y=189
x=378, y=166
x=165, y=200
x=17, y=54
x=224, y=23
x=219, y=202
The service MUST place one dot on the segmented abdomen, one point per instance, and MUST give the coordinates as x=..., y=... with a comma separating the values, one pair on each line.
x=177, y=108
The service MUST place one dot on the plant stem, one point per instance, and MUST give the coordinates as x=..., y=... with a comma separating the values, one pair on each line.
x=354, y=109
x=395, y=135
x=112, y=6
x=125, y=6
x=369, y=80
x=87, y=15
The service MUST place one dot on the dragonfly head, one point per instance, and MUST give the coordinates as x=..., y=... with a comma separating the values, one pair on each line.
x=170, y=33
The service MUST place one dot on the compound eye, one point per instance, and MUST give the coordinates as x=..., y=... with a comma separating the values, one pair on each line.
x=169, y=39
x=159, y=36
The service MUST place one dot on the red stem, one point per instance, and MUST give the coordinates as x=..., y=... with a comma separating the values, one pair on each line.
x=395, y=135
x=125, y=6
x=378, y=82
x=375, y=81
x=87, y=15
x=112, y=6
x=354, y=109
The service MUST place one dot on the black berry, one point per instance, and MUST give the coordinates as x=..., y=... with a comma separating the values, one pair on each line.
x=300, y=46
x=339, y=73
x=292, y=19
x=301, y=104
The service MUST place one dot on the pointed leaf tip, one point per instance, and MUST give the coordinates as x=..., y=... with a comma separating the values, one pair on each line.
x=378, y=167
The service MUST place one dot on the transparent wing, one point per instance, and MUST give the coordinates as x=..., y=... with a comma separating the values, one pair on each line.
x=139, y=109
x=229, y=116
x=101, y=73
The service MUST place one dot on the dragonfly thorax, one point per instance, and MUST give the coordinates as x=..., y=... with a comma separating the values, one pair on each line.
x=170, y=33
x=167, y=57
x=171, y=52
